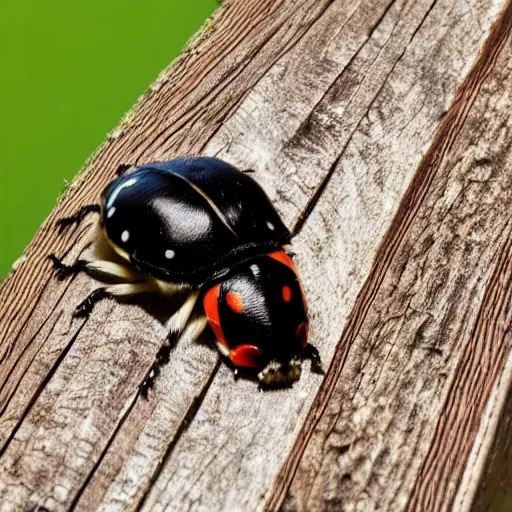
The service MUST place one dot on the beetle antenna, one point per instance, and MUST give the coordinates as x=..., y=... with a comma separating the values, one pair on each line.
x=122, y=168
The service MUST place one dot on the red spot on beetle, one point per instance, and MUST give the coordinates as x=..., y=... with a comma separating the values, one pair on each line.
x=234, y=301
x=211, y=308
x=246, y=355
x=286, y=292
x=283, y=258
x=302, y=333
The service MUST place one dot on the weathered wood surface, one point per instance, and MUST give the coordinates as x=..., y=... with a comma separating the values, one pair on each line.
x=381, y=130
x=492, y=489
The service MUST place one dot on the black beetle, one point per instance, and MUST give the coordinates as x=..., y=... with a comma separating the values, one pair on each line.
x=199, y=225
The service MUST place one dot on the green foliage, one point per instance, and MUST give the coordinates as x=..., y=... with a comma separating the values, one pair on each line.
x=68, y=73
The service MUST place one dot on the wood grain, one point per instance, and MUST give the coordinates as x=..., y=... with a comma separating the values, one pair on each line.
x=271, y=423
x=430, y=331
x=334, y=104
x=492, y=489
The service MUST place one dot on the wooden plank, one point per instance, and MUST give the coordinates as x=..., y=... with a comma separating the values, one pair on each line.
x=39, y=337
x=248, y=427
x=323, y=94
x=429, y=337
x=485, y=484
x=489, y=488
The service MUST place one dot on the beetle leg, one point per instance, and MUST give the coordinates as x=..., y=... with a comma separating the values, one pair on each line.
x=122, y=169
x=109, y=270
x=248, y=171
x=177, y=323
x=63, y=271
x=179, y=320
x=77, y=217
x=195, y=328
x=311, y=352
x=101, y=268
x=85, y=308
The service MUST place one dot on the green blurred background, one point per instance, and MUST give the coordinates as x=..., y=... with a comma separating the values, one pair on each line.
x=68, y=72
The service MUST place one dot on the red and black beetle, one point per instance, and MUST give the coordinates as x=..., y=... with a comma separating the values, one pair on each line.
x=259, y=318
x=199, y=225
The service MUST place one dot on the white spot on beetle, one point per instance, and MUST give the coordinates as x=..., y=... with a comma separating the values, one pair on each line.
x=270, y=226
x=111, y=212
x=125, y=235
x=114, y=194
x=169, y=254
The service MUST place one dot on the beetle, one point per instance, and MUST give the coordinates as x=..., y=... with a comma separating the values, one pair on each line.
x=260, y=320
x=200, y=227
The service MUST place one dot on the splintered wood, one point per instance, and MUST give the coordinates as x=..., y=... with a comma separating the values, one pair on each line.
x=381, y=130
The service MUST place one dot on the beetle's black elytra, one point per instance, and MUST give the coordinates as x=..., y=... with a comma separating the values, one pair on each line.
x=270, y=309
x=200, y=224
x=190, y=220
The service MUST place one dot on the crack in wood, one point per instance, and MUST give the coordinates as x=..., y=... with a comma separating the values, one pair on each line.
x=40, y=389
x=450, y=127
x=494, y=314
x=189, y=416
x=5, y=402
x=313, y=201
x=234, y=75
